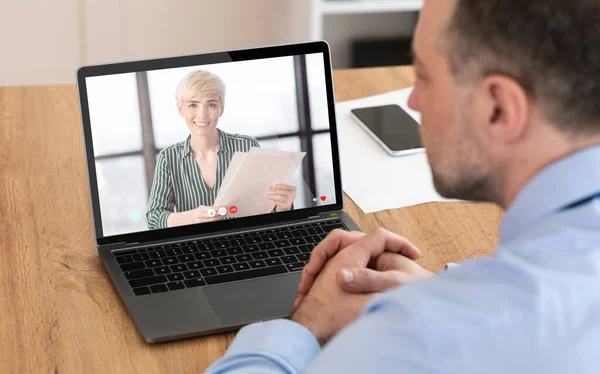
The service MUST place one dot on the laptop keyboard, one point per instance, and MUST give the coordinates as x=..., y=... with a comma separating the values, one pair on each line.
x=222, y=259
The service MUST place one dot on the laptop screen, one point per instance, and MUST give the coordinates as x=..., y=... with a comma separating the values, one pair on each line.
x=198, y=144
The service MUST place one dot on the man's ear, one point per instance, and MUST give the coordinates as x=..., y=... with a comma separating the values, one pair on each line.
x=222, y=109
x=180, y=110
x=509, y=108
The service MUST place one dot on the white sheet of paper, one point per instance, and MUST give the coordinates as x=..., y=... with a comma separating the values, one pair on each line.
x=252, y=174
x=234, y=166
x=295, y=158
x=374, y=179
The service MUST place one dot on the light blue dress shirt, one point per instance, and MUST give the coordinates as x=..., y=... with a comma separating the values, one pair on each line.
x=532, y=307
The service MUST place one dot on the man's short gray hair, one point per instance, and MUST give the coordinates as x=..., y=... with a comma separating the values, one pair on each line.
x=551, y=47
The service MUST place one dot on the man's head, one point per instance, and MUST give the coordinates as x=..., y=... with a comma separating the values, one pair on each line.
x=504, y=87
x=200, y=100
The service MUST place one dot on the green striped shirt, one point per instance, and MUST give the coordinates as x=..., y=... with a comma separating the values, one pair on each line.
x=178, y=184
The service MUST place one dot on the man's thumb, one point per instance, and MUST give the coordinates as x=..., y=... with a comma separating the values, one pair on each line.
x=367, y=280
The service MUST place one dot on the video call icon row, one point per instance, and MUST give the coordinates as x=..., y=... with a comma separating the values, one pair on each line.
x=222, y=211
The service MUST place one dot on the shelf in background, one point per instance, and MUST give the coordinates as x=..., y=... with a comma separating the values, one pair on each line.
x=369, y=6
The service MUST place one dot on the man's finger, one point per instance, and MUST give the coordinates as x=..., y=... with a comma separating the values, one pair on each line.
x=378, y=241
x=325, y=250
x=362, y=280
x=298, y=301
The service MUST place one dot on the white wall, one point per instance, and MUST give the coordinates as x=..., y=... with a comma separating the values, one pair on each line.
x=154, y=28
x=44, y=42
x=39, y=41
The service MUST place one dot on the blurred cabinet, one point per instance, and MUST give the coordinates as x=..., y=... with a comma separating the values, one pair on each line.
x=343, y=22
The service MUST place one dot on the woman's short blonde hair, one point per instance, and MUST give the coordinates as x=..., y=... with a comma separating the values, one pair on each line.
x=200, y=82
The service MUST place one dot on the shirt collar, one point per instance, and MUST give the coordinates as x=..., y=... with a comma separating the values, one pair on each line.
x=560, y=184
x=186, y=147
x=224, y=144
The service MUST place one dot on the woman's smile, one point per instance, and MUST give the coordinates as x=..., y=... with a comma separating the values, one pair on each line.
x=201, y=123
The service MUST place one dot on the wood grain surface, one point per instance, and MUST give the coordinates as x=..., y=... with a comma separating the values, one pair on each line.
x=59, y=312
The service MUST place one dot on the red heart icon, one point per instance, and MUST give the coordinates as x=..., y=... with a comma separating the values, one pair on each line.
x=323, y=198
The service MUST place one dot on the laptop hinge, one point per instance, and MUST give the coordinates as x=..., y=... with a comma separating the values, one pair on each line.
x=122, y=245
x=328, y=215
x=112, y=246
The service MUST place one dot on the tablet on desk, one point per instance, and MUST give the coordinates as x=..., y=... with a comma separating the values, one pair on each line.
x=391, y=127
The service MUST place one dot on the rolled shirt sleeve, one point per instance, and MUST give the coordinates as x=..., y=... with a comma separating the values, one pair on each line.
x=162, y=200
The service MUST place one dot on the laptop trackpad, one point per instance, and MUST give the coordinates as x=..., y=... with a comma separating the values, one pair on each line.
x=254, y=300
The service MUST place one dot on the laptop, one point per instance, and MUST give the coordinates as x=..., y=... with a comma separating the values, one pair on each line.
x=160, y=136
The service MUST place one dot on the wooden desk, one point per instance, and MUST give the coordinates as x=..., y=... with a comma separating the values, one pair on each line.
x=59, y=312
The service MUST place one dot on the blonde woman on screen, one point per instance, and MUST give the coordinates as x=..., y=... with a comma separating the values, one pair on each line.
x=188, y=174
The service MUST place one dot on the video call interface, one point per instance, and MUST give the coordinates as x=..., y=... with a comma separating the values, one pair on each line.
x=206, y=143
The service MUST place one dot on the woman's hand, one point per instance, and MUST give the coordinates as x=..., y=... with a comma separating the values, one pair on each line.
x=198, y=215
x=282, y=196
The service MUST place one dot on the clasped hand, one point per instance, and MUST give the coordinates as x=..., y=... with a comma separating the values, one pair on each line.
x=345, y=271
